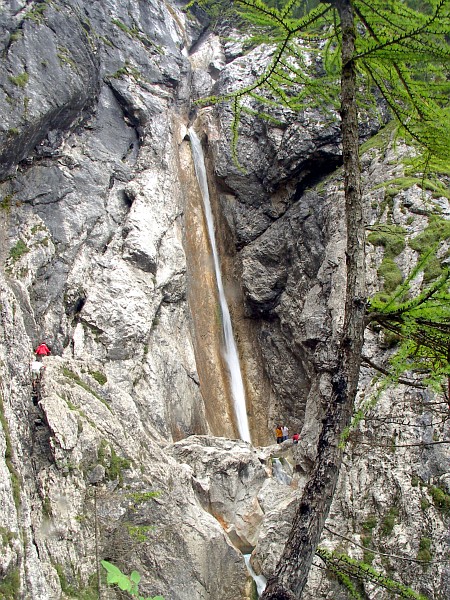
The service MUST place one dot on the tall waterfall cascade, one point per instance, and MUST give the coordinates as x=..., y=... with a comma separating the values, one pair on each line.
x=229, y=350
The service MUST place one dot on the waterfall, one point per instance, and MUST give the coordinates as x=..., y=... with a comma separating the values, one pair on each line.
x=280, y=473
x=230, y=349
x=260, y=580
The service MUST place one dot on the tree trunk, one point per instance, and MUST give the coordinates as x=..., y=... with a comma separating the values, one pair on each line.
x=292, y=570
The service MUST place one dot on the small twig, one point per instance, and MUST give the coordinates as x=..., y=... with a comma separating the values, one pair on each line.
x=405, y=424
x=394, y=445
x=409, y=382
x=416, y=560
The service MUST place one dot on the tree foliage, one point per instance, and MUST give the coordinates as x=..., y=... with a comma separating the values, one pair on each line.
x=347, y=569
x=402, y=51
x=127, y=583
x=421, y=323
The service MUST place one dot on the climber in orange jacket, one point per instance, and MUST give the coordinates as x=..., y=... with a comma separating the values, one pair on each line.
x=279, y=434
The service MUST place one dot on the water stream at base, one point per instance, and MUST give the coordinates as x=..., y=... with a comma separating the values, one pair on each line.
x=260, y=580
x=230, y=350
x=280, y=473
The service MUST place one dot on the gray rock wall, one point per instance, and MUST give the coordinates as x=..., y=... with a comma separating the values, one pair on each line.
x=93, y=263
x=385, y=511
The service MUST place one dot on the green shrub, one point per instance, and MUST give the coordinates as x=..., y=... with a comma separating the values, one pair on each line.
x=47, y=507
x=5, y=203
x=99, y=377
x=391, y=237
x=391, y=274
x=388, y=522
x=10, y=585
x=135, y=33
x=390, y=339
x=20, y=80
x=424, y=552
x=15, y=35
x=123, y=27
x=254, y=591
x=127, y=70
x=18, y=250
x=140, y=497
x=124, y=582
x=36, y=14
x=116, y=465
x=370, y=523
x=424, y=504
x=65, y=58
x=139, y=532
x=441, y=500
x=438, y=229
x=38, y=227
x=380, y=140
x=368, y=557
x=76, y=379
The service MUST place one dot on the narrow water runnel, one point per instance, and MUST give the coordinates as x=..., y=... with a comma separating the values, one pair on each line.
x=260, y=580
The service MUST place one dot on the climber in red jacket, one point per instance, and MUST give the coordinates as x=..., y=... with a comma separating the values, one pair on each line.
x=42, y=350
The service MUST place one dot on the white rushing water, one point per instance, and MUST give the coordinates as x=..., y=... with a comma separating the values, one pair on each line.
x=279, y=472
x=230, y=350
x=260, y=580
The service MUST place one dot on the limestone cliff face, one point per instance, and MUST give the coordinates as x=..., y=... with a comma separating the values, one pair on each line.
x=95, y=98
x=104, y=256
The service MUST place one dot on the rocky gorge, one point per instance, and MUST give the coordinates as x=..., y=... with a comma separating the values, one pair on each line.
x=131, y=452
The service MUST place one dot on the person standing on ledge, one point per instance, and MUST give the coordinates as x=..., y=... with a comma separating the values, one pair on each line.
x=37, y=369
x=279, y=434
x=285, y=433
